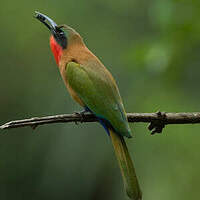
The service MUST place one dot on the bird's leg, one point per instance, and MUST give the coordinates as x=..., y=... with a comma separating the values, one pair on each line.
x=158, y=125
x=81, y=114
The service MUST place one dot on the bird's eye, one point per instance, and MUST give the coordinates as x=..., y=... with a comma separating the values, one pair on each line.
x=59, y=30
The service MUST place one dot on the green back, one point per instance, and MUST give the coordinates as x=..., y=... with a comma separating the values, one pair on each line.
x=96, y=87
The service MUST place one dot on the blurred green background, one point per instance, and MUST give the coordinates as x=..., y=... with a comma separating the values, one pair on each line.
x=152, y=49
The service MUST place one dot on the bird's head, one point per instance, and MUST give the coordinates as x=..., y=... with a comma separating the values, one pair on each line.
x=62, y=36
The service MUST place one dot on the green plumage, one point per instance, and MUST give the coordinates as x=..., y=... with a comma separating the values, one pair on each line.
x=92, y=85
x=126, y=166
x=97, y=89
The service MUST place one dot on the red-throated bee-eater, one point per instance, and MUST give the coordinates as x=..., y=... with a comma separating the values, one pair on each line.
x=93, y=87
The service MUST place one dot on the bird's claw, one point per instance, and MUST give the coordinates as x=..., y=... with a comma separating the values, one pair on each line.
x=158, y=125
x=81, y=115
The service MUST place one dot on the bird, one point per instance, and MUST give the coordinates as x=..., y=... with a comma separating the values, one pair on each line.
x=93, y=87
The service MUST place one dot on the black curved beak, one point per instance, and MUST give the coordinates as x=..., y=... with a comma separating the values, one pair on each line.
x=56, y=31
x=48, y=22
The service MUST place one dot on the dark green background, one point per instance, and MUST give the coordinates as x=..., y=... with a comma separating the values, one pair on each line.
x=152, y=49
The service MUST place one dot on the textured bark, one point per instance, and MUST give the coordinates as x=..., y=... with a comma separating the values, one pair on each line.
x=157, y=120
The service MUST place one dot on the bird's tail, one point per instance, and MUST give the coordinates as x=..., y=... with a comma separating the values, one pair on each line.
x=126, y=166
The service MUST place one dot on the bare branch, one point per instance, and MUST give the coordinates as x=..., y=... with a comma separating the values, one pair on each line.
x=157, y=120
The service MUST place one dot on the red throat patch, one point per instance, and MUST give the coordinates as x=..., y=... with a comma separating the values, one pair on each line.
x=56, y=49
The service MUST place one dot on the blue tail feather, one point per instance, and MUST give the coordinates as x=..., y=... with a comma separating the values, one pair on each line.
x=102, y=121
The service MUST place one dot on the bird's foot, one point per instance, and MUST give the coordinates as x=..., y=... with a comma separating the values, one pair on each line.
x=158, y=125
x=81, y=115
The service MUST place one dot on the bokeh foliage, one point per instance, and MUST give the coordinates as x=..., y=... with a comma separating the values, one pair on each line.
x=152, y=48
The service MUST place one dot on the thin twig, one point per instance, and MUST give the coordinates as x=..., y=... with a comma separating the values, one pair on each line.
x=157, y=120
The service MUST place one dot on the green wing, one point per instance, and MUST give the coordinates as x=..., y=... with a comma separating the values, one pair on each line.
x=96, y=87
